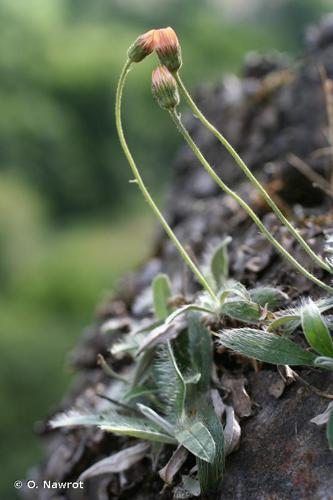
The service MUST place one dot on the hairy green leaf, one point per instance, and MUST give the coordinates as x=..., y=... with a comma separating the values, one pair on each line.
x=233, y=289
x=283, y=320
x=197, y=439
x=241, y=310
x=272, y=297
x=219, y=264
x=201, y=352
x=74, y=418
x=169, y=380
x=181, y=392
x=161, y=294
x=118, y=424
x=290, y=318
x=136, y=427
x=315, y=329
x=266, y=347
x=211, y=474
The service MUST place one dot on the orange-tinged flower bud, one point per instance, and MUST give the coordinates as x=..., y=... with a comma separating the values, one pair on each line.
x=167, y=47
x=164, y=88
x=142, y=47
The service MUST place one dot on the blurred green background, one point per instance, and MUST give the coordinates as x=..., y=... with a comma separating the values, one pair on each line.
x=70, y=223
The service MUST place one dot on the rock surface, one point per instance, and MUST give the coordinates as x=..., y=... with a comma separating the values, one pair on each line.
x=275, y=109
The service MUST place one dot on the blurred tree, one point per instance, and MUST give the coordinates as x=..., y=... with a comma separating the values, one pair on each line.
x=59, y=64
x=292, y=16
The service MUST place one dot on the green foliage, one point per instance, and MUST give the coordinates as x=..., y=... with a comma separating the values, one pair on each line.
x=268, y=296
x=266, y=347
x=200, y=350
x=176, y=380
x=242, y=310
x=201, y=353
x=59, y=65
x=161, y=294
x=219, y=263
x=197, y=439
x=118, y=424
x=211, y=474
x=315, y=329
x=59, y=155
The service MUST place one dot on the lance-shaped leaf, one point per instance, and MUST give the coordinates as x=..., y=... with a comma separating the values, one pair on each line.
x=201, y=354
x=197, y=439
x=290, y=319
x=266, y=347
x=161, y=295
x=74, y=418
x=241, y=310
x=169, y=380
x=118, y=462
x=233, y=289
x=266, y=295
x=211, y=474
x=219, y=264
x=315, y=329
x=135, y=427
x=118, y=424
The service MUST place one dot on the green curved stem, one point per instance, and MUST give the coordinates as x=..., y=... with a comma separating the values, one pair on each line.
x=250, y=176
x=143, y=188
x=177, y=120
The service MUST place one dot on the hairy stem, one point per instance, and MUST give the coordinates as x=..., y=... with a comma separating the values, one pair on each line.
x=145, y=191
x=177, y=120
x=250, y=175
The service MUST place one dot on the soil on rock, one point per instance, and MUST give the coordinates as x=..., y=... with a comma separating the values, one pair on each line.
x=276, y=109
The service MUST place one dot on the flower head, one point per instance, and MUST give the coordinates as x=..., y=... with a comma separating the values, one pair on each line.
x=164, y=88
x=167, y=47
x=142, y=47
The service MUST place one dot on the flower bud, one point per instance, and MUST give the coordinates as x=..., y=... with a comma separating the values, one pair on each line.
x=164, y=88
x=167, y=47
x=142, y=47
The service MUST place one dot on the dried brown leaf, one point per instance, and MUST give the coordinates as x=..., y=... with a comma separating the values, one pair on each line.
x=118, y=462
x=178, y=458
x=240, y=398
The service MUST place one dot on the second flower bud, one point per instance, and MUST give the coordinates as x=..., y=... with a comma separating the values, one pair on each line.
x=164, y=88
